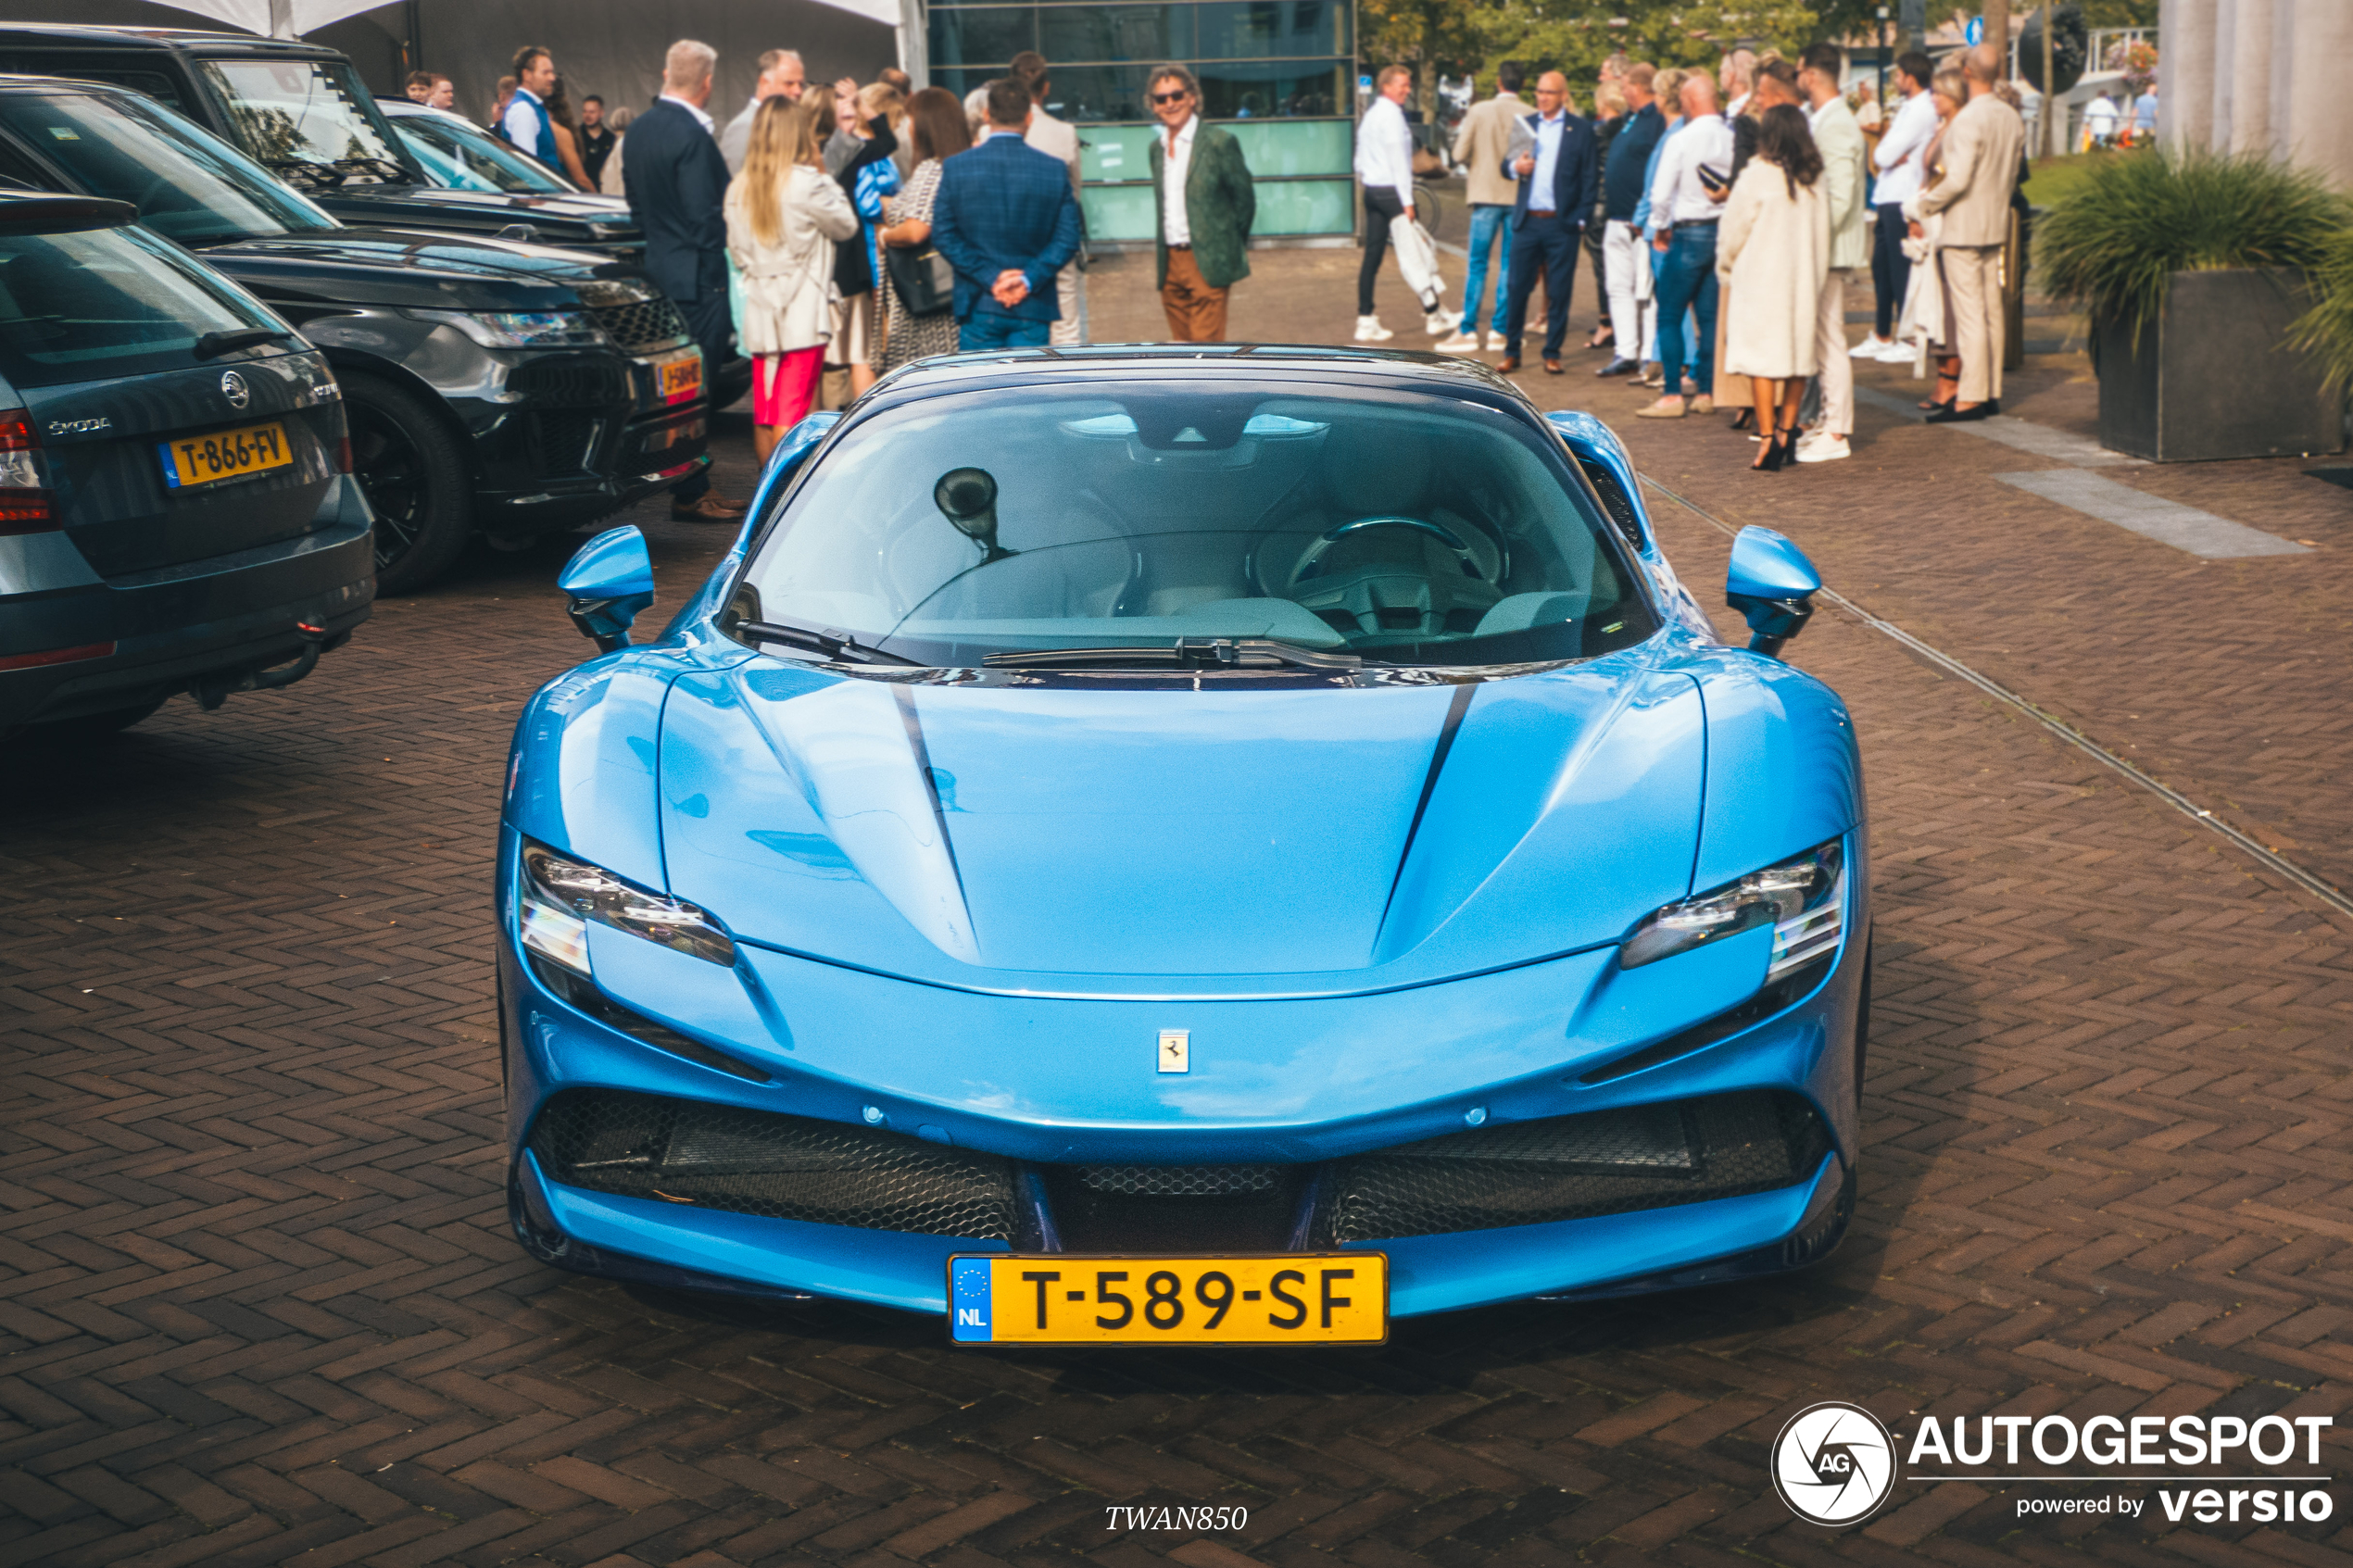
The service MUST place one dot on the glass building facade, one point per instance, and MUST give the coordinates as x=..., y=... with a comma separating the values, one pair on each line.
x=1276, y=73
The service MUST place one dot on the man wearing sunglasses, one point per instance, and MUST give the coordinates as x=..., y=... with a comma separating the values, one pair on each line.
x=1202, y=192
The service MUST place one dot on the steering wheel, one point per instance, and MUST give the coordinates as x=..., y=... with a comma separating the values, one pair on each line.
x=1311, y=563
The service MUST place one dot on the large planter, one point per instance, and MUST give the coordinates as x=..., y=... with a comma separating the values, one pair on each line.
x=2209, y=379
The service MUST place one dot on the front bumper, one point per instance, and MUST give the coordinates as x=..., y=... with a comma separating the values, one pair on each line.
x=199, y=623
x=1522, y=1050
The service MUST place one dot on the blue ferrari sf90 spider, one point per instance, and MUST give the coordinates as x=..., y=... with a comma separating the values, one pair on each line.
x=1226, y=845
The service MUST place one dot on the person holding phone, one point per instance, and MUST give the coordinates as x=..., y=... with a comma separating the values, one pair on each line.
x=1683, y=215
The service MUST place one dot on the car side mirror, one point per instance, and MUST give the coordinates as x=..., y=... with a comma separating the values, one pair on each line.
x=609, y=580
x=1772, y=585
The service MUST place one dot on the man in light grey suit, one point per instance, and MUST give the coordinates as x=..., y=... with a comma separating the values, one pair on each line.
x=1055, y=138
x=1980, y=157
x=781, y=76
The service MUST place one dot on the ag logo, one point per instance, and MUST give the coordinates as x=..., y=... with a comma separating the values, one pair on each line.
x=232, y=387
x=1834, y=1463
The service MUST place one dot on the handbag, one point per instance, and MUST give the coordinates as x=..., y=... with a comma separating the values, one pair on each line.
x=922, y=279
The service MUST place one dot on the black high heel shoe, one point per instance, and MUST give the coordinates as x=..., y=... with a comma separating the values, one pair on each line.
x=1745, y=420
x=1783, y=447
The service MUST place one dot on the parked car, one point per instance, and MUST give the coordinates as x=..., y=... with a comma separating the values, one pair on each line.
x=468, y=166
x=177, y=511
x=1227, y=847
x=509, y=388
x=301, y=110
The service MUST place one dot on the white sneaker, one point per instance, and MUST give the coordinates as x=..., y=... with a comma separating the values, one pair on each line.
x=1438, y=323
x=1461, y=343
x=1369, y=330
x=1897, y=354
x=1871, y=348
x=1823, y=448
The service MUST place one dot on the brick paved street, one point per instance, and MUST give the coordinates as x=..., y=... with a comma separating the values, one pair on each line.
x=258, y=1304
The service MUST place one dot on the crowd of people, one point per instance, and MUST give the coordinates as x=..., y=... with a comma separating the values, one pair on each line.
x=849, y=232
x=1727, y=215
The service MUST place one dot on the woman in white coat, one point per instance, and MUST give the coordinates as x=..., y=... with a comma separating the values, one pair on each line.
x=785, y=214
x=1773, y=249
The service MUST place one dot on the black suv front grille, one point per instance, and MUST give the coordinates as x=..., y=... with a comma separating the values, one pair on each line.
x=781, y=1167
x=643, y=325
x=567, y=440
x=1579, y=1166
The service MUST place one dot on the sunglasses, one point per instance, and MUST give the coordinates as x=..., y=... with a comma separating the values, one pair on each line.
x=1176, y=97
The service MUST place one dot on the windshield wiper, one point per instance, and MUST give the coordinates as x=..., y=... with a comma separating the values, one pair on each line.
x=837, y=646
x=213, y=344
x=1186, y=653
x=303, y=171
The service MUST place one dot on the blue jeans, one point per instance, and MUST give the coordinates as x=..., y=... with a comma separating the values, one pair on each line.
x=1486, y=218
x=1685, y=280
x=992, y=331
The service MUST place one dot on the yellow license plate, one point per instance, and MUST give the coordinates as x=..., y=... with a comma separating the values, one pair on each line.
x=225, y=454
x=680, y=378
x=1266, y=1298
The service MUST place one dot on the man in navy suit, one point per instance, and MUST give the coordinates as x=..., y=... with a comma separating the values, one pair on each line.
x=677, y=181
x=1006, y=221
x=1557, y=174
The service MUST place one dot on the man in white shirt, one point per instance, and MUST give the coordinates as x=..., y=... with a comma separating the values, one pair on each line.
x=1683, y=217
x=781, y=76
x=1385, y=170
x=1899, y=158
x=524, y=122
x=2099, y=121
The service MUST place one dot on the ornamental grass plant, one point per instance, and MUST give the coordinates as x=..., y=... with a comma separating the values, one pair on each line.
x=2113, y=243
x=2327, y=328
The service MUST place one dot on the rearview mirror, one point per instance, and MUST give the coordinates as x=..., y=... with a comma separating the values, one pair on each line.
x=609, y=580
x=1772, y=585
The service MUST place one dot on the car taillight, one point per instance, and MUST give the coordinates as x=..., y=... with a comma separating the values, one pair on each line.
x=26, y=505
x=343, y=455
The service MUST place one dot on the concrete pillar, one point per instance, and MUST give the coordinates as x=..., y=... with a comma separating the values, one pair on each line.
x=2223, y=49
x=2251, y=56
x=2185, y=72
x=2320, y=121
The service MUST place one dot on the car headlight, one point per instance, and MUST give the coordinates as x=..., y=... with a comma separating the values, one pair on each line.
x=560, y=897
x=1802, y=898
x=521, y=329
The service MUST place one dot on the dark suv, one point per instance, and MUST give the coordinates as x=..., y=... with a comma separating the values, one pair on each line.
x=176, y=510
x=509, y=388
x=301, y=110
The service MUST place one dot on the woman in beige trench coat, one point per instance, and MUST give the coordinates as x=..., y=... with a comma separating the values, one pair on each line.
x=1773, y=251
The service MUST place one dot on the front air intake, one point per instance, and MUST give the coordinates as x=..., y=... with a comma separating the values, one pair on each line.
x=780, y=1167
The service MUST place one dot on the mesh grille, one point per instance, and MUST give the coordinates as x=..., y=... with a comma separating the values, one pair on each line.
x=780, y=1167
x=1180, y=1181
x=643, y=324
x=565, y=437
x=1579, y=1166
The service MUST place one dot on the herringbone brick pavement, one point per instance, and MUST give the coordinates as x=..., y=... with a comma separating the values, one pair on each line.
x=258, y=1303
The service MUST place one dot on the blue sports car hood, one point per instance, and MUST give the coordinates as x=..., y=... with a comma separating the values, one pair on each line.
x=1236, y=842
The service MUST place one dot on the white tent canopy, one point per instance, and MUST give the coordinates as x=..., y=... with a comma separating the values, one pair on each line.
x=292, y=18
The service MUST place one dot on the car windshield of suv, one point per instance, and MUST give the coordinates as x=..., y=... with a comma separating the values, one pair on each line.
x=188, y=184
x=110, y=302
x=459, y=156
x=1402, y=527
x=308, y=113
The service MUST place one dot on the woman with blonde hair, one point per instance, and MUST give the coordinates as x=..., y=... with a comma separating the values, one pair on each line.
x=784, y=219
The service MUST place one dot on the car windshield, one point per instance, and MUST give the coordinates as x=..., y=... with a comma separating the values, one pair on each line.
x=306, y=112
x=188, y=184
x=110, y=302
x=459, y=156
x=1402, y=527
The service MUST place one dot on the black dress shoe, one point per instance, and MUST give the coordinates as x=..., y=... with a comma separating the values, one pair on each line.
x=1959, y=415
x=1618, y=367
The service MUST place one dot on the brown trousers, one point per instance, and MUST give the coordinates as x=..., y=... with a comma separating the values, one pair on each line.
x=1196, y=313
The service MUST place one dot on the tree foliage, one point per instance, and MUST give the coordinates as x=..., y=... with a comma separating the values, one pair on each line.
x=1455, y=37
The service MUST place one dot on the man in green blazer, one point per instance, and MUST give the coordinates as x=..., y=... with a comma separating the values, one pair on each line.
x=1205, y=209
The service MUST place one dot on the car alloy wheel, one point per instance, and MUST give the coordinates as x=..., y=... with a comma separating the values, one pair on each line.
x=411, y=471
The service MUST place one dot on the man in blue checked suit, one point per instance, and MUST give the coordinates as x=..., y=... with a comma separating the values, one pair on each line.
x=1006, y=221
